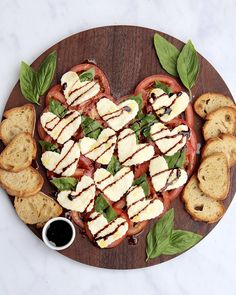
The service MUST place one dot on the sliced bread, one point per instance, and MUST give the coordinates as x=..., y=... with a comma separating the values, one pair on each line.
x=25, y=183
x=220, y=121
x=37, y=209
x=198, y=205
x=213, y=176
x=209, y=102
x=19, y=153
x=19, y=119
x=225, y=143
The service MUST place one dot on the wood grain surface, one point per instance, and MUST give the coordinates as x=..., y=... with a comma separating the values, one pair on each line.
x=126, y=54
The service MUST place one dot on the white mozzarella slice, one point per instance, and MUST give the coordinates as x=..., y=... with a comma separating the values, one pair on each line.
x=168, y=107
x=77, y=92
x=65, y=162
x=163, y=178
x=106, y=233
x=117, y=116
x=80, y=200
x=114, y=187
x=169, y=141
x=100, y=150
x=62, y=129
x=129, y=152
x=141, y=208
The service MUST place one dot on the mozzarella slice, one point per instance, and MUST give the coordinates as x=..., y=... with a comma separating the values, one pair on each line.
x=168, y=107
x=142, y=208
x=117, y=116
x=80, y=200
x=169, y=141
x=100, y=150
x=114, y=187
x=106, y=233
x=65, y=162
x=129, y=152
x=163, y=178
x=77, y=92
x=62, y=129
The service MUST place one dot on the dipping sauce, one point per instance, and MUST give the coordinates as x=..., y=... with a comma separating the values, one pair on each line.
x=59, y=233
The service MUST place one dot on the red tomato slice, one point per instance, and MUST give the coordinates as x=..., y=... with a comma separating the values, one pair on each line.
x=136, y=228
x=117, y=242
x=76, y=217
x=56, y=91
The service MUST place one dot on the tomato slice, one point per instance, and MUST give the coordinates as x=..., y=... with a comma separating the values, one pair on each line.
x=117, y=242
x=56, y=91
x=76, y=217
x=145, y=85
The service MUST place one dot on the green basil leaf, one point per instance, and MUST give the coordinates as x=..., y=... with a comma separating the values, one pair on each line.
x=87, y=75
x=57, y=108
x=110, y=214
x=28, y=83
x=167, y=54
x=142, y=181
x=163, y=86
x=91, y=128
x=180, y=241
x=143, y=124
x=46, y=72
x=103, y=207
x=139, y=100
x=188, y=65
x=101, y=204
x=65, y=183
x=48, y=146
x=159, y=236
x=34, y=84
x=177, y=160
x=114, y=165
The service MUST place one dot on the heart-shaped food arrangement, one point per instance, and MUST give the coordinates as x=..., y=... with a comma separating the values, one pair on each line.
x=117, y=163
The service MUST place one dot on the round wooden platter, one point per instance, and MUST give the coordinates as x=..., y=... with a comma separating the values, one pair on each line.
x=127, y=55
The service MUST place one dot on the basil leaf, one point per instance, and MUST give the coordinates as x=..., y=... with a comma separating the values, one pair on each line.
x=57, y=108
x=159, y=236
x=87, y=75
x=46, y=72
x=143, y=124
x=142, y=181
x=110, y=214
x=103, y=207
x=114, y=165
x=48, y=146
x=100, y=204
x=163, y=86
x=139, y=100
x=167, y=54
x=180, y=241
x=91, y=128
x=65, y=183
x=188, y=65
x=28, y=83
x=177, y=160
x=34, y=84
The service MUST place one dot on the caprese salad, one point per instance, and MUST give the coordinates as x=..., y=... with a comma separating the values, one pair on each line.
x=116, y=164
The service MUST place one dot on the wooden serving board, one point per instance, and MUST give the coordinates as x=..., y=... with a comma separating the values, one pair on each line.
x=126, y=54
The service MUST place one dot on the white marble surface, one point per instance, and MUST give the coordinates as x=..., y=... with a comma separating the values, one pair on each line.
x=27, y=28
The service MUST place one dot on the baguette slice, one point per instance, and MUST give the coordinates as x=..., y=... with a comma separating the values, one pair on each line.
x=213, y=176
x=37, y=209
x=198, y=205
x=225, y=143
x=19, y=119
x=19, y=153
x=220, y=121
x=209, y=102
x=22, y=184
